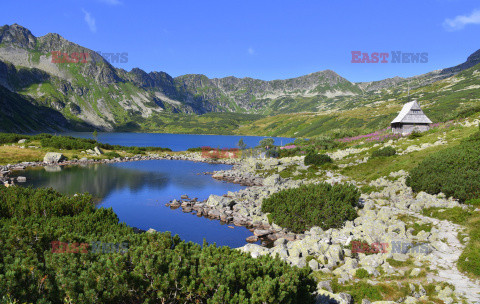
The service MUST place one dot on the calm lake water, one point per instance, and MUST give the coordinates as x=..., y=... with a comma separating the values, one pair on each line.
x=138, y=191
x=176, y=142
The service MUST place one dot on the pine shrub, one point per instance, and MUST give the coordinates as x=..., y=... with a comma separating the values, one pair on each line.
x=384, y=152
x=454, y=171
x=156, y=267
x=323, y=205
x=315, y=159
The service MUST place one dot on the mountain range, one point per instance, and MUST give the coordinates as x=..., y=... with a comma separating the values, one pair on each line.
x=85, y=92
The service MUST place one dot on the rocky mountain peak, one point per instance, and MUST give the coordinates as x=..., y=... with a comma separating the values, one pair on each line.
x=472, y=60
x=17, y=35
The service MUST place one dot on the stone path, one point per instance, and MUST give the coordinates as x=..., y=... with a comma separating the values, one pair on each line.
x=444, y=260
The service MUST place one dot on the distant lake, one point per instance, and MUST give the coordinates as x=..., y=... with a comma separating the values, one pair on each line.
x=138, y=191
x=176, y=142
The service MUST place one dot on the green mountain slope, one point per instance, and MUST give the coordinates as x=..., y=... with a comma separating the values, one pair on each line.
x=454, y=97
x=91, y=92
x=19, y=114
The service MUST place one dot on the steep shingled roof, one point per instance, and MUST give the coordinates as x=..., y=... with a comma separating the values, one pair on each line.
x=411, y=113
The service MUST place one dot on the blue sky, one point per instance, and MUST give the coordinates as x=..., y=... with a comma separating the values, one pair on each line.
x=261, y=39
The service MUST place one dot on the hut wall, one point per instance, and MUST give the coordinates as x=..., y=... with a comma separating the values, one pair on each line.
x=409, y=128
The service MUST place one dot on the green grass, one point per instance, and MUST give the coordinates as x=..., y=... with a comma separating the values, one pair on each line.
x=382, y=166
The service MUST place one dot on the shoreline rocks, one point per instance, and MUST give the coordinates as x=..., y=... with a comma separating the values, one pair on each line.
x=58, y=159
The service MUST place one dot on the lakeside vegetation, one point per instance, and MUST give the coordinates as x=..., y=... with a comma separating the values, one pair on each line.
x=156, y=268
x=35, y=147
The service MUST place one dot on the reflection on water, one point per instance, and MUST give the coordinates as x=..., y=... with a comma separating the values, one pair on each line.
x=138, y=191
x=97, y=179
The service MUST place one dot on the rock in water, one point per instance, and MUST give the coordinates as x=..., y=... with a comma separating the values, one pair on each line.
x=261, y=232
x=53, y=157
x=175, y=204
x=21, y=179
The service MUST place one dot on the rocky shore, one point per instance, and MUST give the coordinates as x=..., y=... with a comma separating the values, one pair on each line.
x=408, y=259
x=385, y=217
x=57, y=159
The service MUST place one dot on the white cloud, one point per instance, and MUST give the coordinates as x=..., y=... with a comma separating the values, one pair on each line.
x=111, y=2
x=90, y=21
x=250, y=51
x=460, y=21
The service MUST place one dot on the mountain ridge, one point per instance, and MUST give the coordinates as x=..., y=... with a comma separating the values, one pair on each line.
x=104, y=97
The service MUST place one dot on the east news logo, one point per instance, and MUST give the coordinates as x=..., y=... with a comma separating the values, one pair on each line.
x=382, y=57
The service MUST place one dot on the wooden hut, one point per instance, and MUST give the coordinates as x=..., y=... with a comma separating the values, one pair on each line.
x=411, y=118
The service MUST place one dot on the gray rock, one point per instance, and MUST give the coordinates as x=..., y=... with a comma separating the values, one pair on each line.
x=21, y=179
x=261, y=232
x=325, y=285
x=280, y=241
x=97, y=150
x=22, y=141
x=314, y=265
x=175, y=203
x=272, y=180
x=346, y=298
x=415, y=272
x=53, y=157
x=220, y=201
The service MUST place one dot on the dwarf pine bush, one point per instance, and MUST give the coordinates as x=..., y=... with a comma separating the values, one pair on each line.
x=315, y=159
x=323, y=205
x=156, y=267
x=387, y=151
x=454, y=171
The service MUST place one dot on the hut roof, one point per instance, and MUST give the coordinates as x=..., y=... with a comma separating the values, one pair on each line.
x=412, y=113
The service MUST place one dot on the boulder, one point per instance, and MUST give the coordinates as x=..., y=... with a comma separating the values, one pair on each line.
x=97, y=150
x=252, y=239
x=261, y=232
x=53, y=157
x=325, y=285
x=314, y=265
x=21, y=179
x=220, y=201
x=272, y=180
x=175, y=204
x=22, y=141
